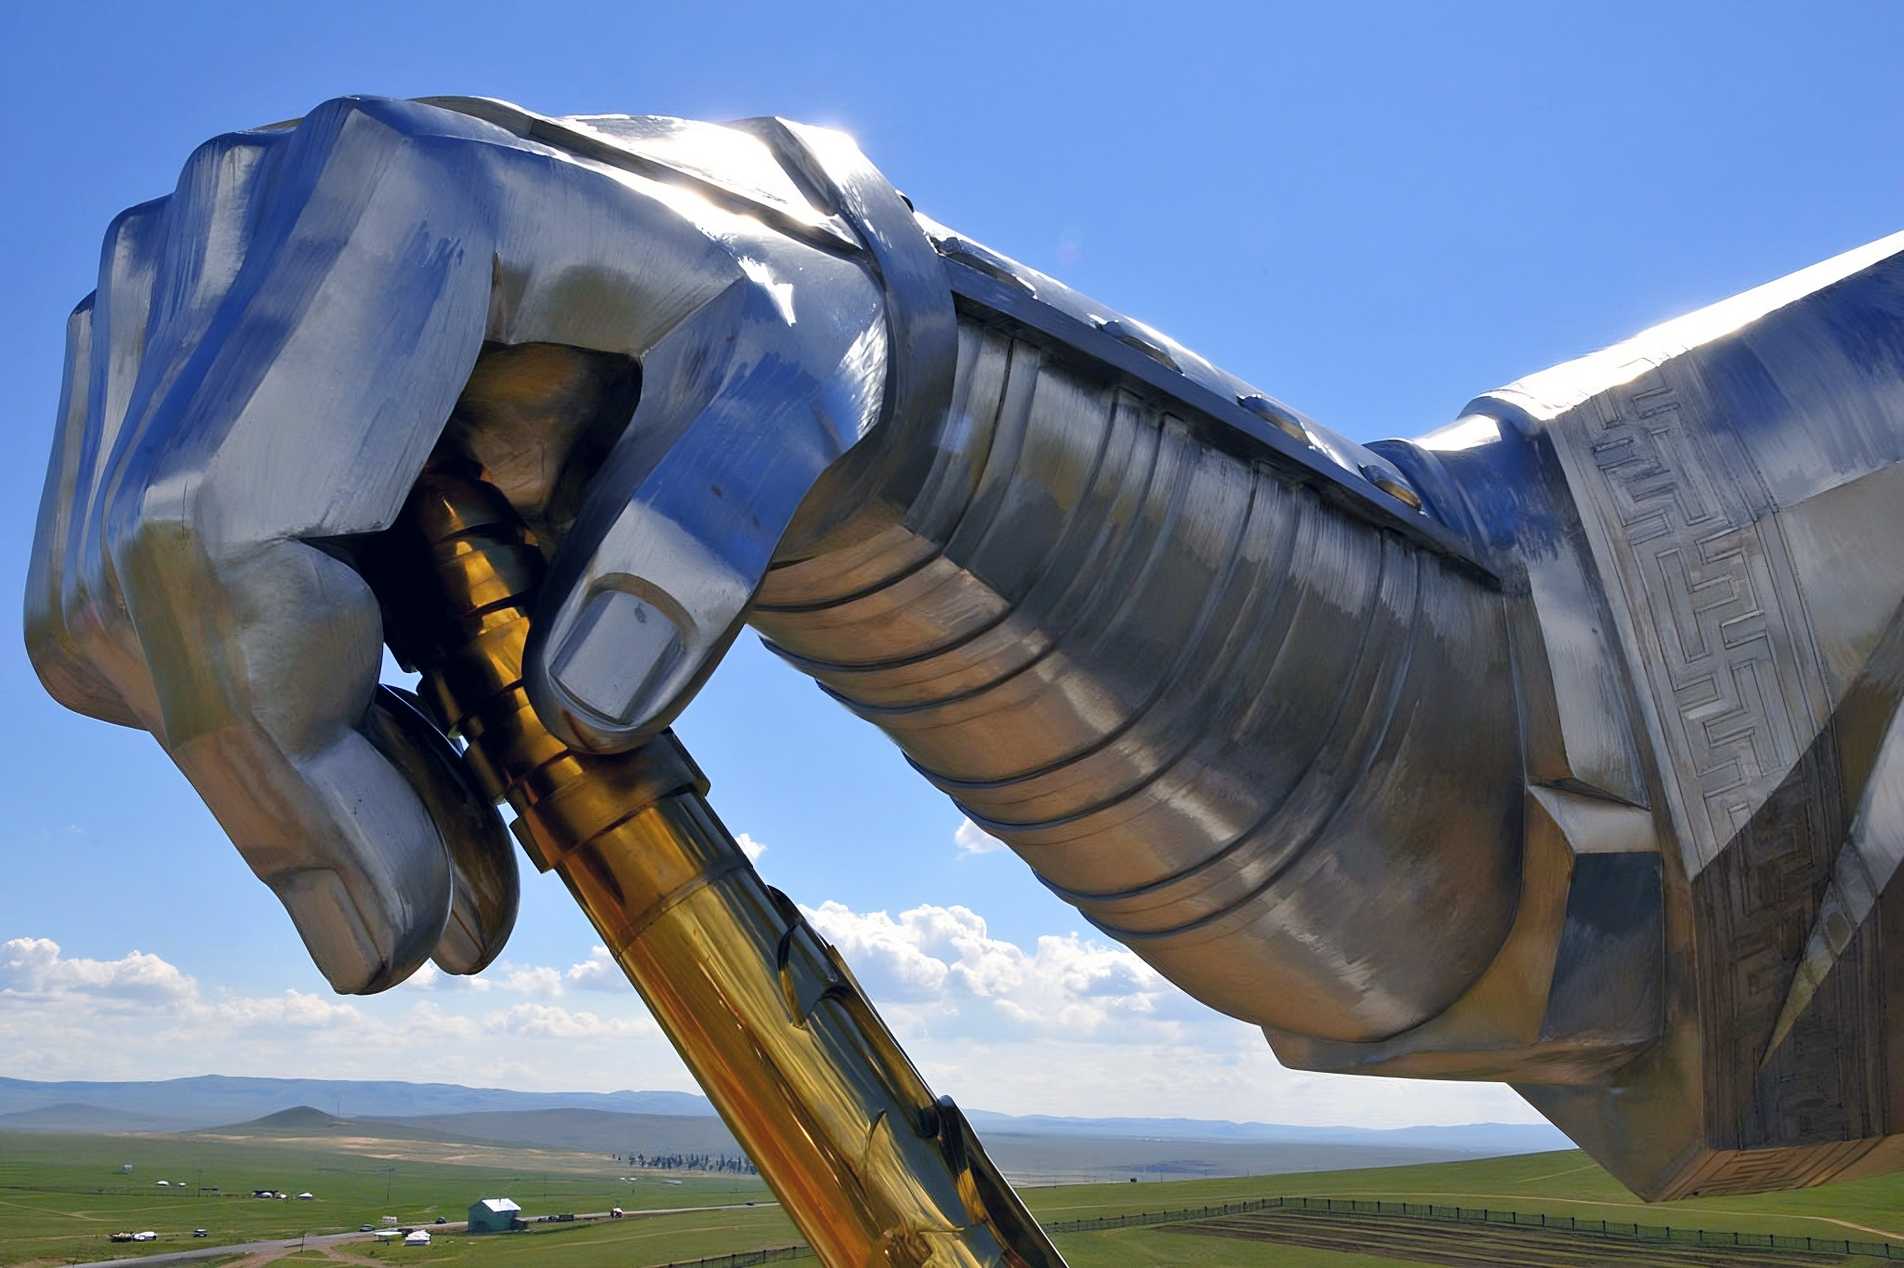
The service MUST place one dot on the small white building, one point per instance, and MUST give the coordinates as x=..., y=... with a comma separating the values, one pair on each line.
x=419, y=1238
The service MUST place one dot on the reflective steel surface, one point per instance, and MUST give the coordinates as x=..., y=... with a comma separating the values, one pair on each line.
x=1553, y=747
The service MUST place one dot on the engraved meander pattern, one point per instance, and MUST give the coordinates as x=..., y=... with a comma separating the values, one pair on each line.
x=1718, y=613
x=1702, y=572
x=1187, y=692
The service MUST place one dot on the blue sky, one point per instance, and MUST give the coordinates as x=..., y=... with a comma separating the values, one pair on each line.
x=1377, y=211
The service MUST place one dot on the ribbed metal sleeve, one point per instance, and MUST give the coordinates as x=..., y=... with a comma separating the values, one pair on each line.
x=1270, y=747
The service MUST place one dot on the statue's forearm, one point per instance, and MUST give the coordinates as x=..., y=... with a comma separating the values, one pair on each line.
x=1399, y=787
x=1266, y=742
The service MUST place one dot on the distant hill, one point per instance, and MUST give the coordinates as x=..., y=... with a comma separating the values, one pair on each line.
x=297, y=1118
x=563, y=1119
x=307, y=1121
x=583, y=1130
x=213, y=1100
x=1033, y=1155
x=77, y=1116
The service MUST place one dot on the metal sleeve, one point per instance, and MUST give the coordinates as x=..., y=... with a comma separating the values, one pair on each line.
x=1266, y=743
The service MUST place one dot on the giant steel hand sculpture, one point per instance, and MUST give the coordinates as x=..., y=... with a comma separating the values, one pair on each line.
x=1555, y=747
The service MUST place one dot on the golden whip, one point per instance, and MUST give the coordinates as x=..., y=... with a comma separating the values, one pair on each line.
x=870, y=1166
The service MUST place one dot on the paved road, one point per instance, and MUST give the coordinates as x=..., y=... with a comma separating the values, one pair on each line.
x=331, y=1239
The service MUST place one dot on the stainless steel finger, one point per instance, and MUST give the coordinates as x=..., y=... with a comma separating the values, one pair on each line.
x=799, y=378
x=68, y=675
x=484, y=886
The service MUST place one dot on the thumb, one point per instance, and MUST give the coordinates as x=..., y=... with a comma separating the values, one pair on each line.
x=751, y=423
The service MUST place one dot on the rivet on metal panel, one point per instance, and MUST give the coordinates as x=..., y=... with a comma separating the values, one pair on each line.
x=1130, y=336
x=1270, y=412
x=991, y=265
x=1391, y=484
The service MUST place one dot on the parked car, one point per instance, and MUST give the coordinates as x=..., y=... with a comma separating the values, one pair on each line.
x=147, y=1236
x=442, y=1219
x=366, y=1228
x=201, y=1232
x=122, y=1237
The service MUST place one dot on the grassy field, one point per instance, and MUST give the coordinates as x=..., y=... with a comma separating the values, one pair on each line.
x=657, y=1239
x=632, y=1244
x=1152, y=1248
x=1568, y=1183
x=625, y=1243
x=60, y=1196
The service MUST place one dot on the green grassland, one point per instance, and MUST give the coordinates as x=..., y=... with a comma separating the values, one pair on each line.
x=632, y=1244
x=1152, y=1248
x=1568, y=1183
x=61, y=1195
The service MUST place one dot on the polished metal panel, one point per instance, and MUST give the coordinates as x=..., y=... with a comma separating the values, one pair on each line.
x=1554, y=746
x=1181, y=687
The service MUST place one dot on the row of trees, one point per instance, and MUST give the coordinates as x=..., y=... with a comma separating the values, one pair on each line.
x=731, y=1165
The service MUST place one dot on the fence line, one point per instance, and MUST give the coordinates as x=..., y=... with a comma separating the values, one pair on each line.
x=1617, y=1229
x=744, y=1259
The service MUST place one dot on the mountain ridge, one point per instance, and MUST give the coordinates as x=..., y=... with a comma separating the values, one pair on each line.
x=204, y=1102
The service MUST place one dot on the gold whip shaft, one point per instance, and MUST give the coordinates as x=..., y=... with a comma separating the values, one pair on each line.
x=871, y=1168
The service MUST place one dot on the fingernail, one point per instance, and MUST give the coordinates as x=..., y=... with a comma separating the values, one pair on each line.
x=617, y=651
x=333, y=931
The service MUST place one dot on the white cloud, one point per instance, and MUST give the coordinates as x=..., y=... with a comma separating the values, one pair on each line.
x=597, y=973
x=547, y=1021
x=972, y=839
x=947, y=954
x=1074, y=1025
x=440, y=1023
x=530, y=979
x=35, y=966
x=1064, y=1024
x=293, y=1008
x=751, y=848
x=142, y=1017
x=36, y=972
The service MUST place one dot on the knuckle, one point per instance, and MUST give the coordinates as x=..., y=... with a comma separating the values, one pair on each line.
x=125, y=226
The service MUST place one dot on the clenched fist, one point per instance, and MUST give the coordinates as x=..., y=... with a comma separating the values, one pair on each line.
x=273, y=352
